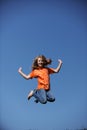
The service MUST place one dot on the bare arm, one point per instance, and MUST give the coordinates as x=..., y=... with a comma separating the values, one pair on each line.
x=59, y=66
x=22, y=74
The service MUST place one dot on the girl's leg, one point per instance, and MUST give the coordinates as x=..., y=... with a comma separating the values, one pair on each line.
x=50, y=97
x=30, y=94
x=40, y=96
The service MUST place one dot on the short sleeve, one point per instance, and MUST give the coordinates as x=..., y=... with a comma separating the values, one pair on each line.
x=51, y=70
x=32, y=74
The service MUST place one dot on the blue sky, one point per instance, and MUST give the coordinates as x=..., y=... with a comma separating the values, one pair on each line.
x=59, y=31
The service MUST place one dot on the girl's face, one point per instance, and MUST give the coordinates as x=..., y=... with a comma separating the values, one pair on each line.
x=40, y=62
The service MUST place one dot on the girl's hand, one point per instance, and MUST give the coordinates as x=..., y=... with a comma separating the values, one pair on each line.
x=20, y=69
x=60, y=61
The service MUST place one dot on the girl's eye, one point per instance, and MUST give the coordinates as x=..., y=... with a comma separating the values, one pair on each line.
x=40, y=61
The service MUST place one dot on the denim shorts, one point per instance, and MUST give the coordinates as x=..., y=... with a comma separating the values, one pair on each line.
x=43, y=96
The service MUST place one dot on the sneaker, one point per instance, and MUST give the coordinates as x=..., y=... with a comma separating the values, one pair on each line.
x=30, y=94
x=36, y=101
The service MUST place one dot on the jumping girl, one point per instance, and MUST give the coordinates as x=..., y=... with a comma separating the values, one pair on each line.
x=40, y=71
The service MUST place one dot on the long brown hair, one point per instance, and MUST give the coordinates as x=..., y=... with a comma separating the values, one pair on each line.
x=45, y=62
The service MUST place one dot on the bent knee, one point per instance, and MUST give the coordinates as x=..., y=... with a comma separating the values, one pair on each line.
x=43, y=101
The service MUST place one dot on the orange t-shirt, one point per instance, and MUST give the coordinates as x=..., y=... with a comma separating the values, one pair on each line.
x=42, y=75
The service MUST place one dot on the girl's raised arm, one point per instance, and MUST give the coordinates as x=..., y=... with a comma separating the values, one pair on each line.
x=59, y=66
x=23, y=74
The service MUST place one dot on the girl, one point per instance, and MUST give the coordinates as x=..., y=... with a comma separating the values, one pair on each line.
x=40, y=71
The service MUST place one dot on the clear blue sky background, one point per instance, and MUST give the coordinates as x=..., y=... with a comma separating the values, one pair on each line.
x=59, y=31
